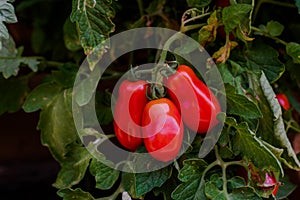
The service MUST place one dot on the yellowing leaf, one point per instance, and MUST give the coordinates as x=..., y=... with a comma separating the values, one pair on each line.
x=224, y=52
x=208, y=33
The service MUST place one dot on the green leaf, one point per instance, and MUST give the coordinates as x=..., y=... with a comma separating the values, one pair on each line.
x=286, y=188
x=237, y=182
x=293, y=50
x=213, y=192
x=234, y=14
x=192, y=168
x=13, y=92
x=197, y=3
x=57, y=125
x=10, y=61
x=167, y=188
x=77, y=194
x=240, y=105
x=93, y=19
x=232, y=76
x=145, y=182
x=274, y=28
x=7, y=15
x=191, y=190
x=271, y=127
x=104, y=175
x=7, y=12
x=71, y=38
x=265, y=58
x=244, y=193
x=128, y=182
x=250, y=147
x=73, y=168
x=190, y=174
x=41, y=96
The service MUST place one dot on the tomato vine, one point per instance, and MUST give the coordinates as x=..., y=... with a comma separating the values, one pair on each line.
x=254, y=44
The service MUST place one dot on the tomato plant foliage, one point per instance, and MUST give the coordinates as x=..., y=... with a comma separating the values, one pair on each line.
x=257, y=53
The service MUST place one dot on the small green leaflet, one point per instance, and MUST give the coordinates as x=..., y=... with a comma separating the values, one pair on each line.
x=213, y=192
x=77, y=194
x=274, y=28
x=263, y=57
x=190, y=175
x=104, y=175
x=10, y=59
x=7, y=15
x=41, y=96
x=238, y=104
x=93, y=19
x=192, y=168
x=73, y=168
x=234, y=14
x=293, y=50
x=13, y=91
x=145, y=182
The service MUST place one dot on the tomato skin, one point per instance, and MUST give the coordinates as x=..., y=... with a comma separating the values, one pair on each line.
x=162, y=129
x=128, y=113
x=283, y=101
x=199, y=106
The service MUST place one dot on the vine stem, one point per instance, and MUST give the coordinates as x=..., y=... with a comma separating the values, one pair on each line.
x=167, y=45
x=269, y=36
x=219, y=162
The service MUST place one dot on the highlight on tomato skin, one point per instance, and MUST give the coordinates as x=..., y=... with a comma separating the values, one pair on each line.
x=127, y=123
x=283, y=101
x=162, y=129
x=198, y=105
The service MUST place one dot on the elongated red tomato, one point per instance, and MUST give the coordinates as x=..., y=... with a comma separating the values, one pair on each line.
x=128, y=113
x=199, y=106
x=162, y=129
x=283, y=101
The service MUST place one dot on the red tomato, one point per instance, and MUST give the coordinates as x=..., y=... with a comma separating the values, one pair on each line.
x=283, y=101
x=162, y=129
x=199, y=107
x=270, y=181
x=128, y=113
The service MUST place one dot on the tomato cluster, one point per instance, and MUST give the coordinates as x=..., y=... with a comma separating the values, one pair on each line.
x=159, y=123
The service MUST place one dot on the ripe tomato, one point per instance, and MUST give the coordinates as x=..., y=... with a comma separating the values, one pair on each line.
x=199, y=107
x=128, y=113
x=283, y=101
x=271, y=182
x=162, y=129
